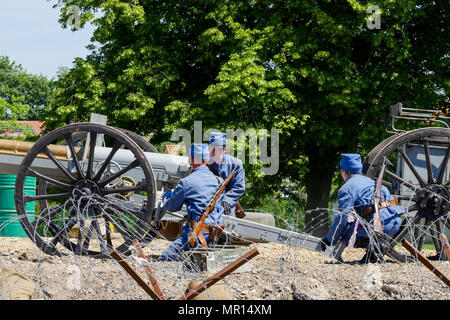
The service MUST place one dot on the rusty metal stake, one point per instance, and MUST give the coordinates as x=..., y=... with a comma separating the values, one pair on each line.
x=149, y=270
x=445, y=244
x=134, y=275
x=219, y=275
x=425, y=261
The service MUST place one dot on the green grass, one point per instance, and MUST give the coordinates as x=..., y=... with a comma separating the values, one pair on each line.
x=426, y=246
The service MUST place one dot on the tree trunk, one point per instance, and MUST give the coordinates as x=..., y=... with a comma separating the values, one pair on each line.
x=318, y=185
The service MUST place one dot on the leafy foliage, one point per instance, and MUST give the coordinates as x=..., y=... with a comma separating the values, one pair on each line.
x=311, y=69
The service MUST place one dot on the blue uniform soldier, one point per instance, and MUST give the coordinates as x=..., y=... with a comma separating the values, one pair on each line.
x=356, y=195
x=195, y=191
x=222, y=164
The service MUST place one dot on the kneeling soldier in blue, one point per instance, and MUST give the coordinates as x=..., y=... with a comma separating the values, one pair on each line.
x=356, y=195
x=195, y=191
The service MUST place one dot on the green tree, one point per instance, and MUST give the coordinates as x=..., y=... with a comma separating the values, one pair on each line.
x=314, y=70
x=25, y=95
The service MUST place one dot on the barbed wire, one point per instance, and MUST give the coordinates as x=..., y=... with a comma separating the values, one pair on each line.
x=280, y=271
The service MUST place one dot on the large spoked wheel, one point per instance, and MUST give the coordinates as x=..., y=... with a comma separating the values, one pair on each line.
x=417, y=174
x=85, y=194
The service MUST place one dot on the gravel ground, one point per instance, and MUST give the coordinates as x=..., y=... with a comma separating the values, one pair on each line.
x=278, y=272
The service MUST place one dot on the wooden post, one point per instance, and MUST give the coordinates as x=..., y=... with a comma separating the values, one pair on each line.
x=133, y=274
x=219, y=275
x=149, y=270
x=445, y=244
x=425, y=261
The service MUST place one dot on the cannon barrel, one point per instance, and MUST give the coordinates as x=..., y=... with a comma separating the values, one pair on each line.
x=168, y=169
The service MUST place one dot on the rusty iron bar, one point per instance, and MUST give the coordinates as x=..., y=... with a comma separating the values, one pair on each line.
x=219, y=275
x=425, y=261
x=133, y=274
x=445, y=244
x=152, y=279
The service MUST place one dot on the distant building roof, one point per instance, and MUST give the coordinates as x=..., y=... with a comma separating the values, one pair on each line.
x=37, y=126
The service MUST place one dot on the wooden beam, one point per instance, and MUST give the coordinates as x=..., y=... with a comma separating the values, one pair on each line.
x=133, y=274
x=219, y=275
x=425, y=261
x=152, y=279
x=445, y=244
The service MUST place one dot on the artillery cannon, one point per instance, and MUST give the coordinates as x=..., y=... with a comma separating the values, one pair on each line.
x=89, y=172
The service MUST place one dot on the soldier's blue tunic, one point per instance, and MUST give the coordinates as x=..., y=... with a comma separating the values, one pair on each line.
x=194, y=191
x=357, y=194
x=236, y=186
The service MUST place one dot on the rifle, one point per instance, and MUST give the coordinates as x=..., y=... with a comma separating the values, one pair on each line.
x=377, y=194
x=239, y=211
x=209, y=207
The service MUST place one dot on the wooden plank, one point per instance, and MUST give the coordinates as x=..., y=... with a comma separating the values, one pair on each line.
x=133, y=274
x=445, y=244
x=219, y=275
x=425, y=261
x=152, y=279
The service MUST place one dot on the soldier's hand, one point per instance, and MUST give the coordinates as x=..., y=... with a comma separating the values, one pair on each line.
x=226, y=208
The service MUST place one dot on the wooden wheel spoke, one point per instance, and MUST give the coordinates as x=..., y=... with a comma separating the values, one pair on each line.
x=428, y=161
x=99, y=236
x=92, y=144
x=411, y=167
x=118, y=223
x=413, y=207
x=440, y=178
x=38, y=175
x=132, y=165
x=406, y=197
x=50, y=155
x=79, y=249
x=423, y=234
x=70, y=143
x=396, y=177
x=28, y=198
x=117, y=145
x=435, y=236
x=399, y=236
x=108, y=233
x=68, y=224
x=387, y=185
x=46, y=216
x=89, y=234
x=390, y=164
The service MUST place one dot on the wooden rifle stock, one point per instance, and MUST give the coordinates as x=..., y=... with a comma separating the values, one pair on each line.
x=239, y=212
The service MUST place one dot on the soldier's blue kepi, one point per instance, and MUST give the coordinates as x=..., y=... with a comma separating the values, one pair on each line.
x=218, y=139
x=199, y=151
x=351, y=162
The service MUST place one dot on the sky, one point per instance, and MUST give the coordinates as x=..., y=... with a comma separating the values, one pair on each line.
x=31, y=36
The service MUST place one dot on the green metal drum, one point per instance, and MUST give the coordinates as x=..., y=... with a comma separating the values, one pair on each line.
x=9, y=220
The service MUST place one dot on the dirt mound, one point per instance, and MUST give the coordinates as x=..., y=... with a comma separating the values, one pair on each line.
x=278, y=272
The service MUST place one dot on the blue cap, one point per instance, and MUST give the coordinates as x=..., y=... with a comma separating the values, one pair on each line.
x=218, y=139
x=199, y=151
x=351, y=162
